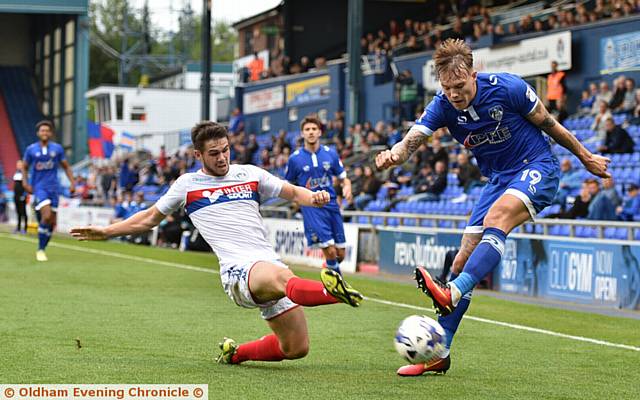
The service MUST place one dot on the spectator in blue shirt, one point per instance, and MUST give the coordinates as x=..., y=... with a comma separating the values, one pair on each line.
x=236, y=122
x=630, y=208
x=570, y=182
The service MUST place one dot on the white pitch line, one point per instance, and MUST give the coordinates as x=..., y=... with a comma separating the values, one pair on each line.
x=516, y=326
x=380, y=301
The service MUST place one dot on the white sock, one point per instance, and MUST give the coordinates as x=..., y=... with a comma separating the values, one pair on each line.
x=456, y=294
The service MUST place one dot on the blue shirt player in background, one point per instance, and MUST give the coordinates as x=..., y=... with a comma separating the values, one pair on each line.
x=500, y=119
x=42, y=160
x=314, y=167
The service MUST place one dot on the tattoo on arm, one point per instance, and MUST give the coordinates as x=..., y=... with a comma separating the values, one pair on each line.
x=409, y=145
x=541, y=117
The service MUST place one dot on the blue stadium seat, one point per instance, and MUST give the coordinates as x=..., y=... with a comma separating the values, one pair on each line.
x=427, y=223
x=636, y=235
x=621, y=233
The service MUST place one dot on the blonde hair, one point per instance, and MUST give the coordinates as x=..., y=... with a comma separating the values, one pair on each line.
x=453, y=58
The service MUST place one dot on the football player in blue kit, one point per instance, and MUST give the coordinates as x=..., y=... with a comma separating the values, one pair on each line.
x=314, y=167
x=42, y=159
x=500, y=119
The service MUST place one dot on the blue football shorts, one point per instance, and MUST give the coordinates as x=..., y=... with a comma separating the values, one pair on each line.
x=323, y=227
x=536, y=184
x=45, y=196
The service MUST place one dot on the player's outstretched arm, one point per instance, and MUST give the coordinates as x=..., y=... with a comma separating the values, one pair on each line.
x=140, y=222
x=25, y=177
x=594, y=163
x=401, y=151
x=304, y=196
x=69, y=172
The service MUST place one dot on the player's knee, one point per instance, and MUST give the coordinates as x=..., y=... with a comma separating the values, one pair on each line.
x=283, y=276
x=340, y=255
x=496, y=217
x=296, y=349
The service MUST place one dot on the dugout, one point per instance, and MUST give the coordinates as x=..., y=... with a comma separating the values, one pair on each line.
x=44, y=66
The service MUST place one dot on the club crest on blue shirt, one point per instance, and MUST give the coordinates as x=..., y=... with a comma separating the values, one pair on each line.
x=496, y=113
x=306, y=168
x=326, y=165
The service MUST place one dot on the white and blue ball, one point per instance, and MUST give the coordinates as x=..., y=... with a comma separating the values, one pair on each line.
x=420, y=339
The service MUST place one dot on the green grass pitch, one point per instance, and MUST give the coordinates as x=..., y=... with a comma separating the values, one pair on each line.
x=93, y=317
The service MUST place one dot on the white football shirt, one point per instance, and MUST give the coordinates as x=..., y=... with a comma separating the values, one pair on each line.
x=225, y=210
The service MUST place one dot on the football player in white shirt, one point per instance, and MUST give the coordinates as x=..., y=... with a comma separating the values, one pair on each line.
x=222, y=201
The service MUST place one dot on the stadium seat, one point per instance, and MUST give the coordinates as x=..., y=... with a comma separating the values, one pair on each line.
x=621, y=233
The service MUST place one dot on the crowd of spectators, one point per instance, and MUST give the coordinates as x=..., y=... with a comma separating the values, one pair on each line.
x=474, y=23
x=466, y=20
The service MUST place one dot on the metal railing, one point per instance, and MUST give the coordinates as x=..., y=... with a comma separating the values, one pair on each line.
x=400, y=220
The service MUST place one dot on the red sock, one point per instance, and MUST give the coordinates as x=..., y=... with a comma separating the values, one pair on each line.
x=267, y=348
x=308, y=293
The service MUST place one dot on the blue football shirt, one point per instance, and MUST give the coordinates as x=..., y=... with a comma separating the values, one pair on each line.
x=43, y=164
x=315, y=171
x=494, y=126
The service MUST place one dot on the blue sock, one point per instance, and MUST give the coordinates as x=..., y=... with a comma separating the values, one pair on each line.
x=44, y=232
x=451, y=322
x=483, y=260
x=333, y=264
x=49, y=235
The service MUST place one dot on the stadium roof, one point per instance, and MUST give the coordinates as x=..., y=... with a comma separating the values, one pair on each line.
x=258, y=17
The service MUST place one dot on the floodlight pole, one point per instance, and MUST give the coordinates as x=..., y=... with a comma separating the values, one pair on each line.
x=354, y=29
x=205, y=63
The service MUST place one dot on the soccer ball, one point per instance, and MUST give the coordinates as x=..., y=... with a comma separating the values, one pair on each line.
x=420, y=339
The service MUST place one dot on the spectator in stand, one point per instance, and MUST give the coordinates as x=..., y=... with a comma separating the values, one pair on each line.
x=617, y=139
x=469, y=175
x=108, y=184
x=599, y=123
x=600, y=208
x=586, y=103
x=170, y=230
x=604, y=94
x=636, y=110
x=370, y=187
x=609, y=190
x=552, y=22
x=582, y=16
x=538, y=26
x=430, y=184
x=602, y=9
x=20, y=199
x=630, y=208
x=569, y=182
x=236, y=122
x=619, y=90
x=356, y=174
x=252, y=148
x=439, y=152
x=629, y=101
x=580, y=208
x=556, y=88
x=256, y=67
